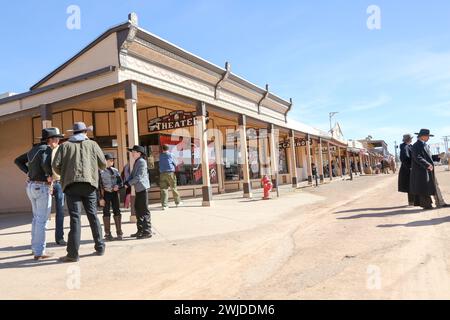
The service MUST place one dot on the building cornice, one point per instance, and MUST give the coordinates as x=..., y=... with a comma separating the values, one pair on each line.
x=82, y=77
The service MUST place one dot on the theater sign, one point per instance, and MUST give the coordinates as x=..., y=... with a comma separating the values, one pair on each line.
x=174, y=120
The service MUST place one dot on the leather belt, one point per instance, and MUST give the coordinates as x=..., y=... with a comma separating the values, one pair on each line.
x=40, y=182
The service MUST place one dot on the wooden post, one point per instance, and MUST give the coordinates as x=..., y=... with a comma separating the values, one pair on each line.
x=341, y=170
x=308, y=158
x=133, y=133
x=361, y=164
x=330, y=166
x=321, y=161
x=201, y=133
x=273, y=156
x=242, y=122
x=293, y=157
x=347, y=163
x=218, y=146
x=46, y=116
x=314, y=156
x=119, y=109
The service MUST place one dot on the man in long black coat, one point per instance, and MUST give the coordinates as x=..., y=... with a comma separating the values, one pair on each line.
x=405, y=169
x=422, y=181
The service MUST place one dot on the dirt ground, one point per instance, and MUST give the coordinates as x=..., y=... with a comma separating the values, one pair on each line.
x=343, y=240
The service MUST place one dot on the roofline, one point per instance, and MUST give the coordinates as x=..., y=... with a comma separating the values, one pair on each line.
x=169, y=47
x=164, y=44
x=104, y=35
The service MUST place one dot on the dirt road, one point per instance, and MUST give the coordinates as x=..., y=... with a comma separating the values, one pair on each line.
x=357, y=240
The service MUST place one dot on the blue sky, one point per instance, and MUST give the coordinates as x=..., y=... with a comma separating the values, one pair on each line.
x=383, y=82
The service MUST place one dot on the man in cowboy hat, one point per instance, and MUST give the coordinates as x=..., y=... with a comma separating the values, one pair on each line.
x=422, y=180
x=78, y=161
x=58, y=194
x=57, y=191
x=37, y=165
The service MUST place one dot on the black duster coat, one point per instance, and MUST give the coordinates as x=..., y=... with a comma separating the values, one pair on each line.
x=405, y=169
x=422, y=180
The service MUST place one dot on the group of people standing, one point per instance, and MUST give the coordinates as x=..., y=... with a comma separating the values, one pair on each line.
x=79, y=172
x=417, y=176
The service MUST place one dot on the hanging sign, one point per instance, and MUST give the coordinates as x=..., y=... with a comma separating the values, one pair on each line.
x=174, y=120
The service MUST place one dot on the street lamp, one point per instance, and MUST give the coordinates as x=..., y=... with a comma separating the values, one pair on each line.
x=331, y=115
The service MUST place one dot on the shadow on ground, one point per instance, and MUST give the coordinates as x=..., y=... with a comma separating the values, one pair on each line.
x=370, y=209
x=381, y=214
x=31, y=263
x=421, y=223
x=14, y=220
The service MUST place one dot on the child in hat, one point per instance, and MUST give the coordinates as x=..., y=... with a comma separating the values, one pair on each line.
x=110, y=184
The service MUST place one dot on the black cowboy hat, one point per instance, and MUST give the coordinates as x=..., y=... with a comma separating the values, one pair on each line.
x=138, y=149
x=109, y=156
x=424, y=132
x=80, y=127
x=48, y=133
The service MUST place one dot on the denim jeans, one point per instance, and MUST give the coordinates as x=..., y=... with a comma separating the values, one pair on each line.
x=59, y=206
x=41, y=203
x=82, y=194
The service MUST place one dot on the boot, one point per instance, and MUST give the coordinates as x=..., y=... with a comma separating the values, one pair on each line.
x=107, y=224
x=118, y=222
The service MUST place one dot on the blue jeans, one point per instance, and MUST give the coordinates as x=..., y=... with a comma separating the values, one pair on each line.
x=41, y=203
x=59, y=205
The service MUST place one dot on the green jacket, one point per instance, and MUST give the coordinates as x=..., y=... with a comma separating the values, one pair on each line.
x=79, y=160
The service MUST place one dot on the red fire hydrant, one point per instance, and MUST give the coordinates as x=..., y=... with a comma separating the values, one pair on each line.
x=267, y=187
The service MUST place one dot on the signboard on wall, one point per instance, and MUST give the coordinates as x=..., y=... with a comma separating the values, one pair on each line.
x=174, y=120
x=325, y=149
x=298, y=143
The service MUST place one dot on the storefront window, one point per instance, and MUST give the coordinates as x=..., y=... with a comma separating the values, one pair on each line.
x=253, y=153
x=282, y=162
x=230, y=157
x=232, y=169
x=187, y=154
x=197, y=168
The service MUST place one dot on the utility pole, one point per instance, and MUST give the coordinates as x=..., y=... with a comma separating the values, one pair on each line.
x=446, y=139
x=330, y=116
x=396, y=152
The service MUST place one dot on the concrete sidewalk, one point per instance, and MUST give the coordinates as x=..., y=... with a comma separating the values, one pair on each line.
x=230, y=213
